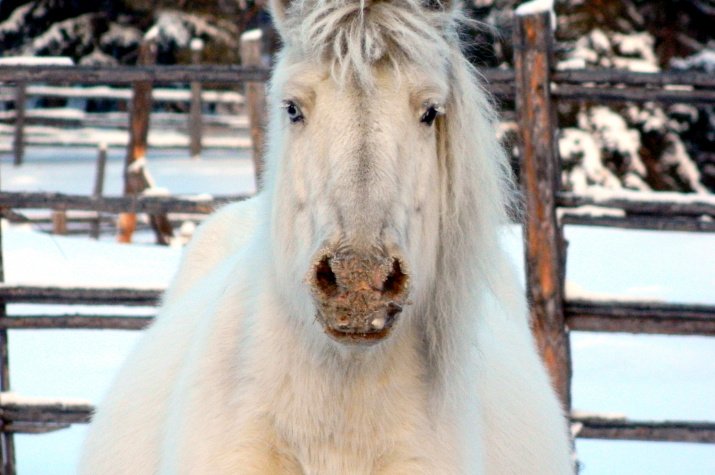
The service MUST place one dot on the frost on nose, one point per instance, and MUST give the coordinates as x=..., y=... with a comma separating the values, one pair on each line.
x=359, y=297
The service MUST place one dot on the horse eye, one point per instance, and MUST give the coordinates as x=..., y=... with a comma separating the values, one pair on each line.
x=294, y=113
x=429, y=116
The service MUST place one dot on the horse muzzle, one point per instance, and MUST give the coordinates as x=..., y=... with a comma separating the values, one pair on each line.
x=358, y=297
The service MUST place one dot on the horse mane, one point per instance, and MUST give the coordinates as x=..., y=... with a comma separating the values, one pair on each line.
x=476, y=190
x=354, y=35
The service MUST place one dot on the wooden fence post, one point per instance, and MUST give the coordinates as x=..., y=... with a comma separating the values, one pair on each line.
x=18, y=144
x=99, y=187
x=251, y=55
x=540, y=180
x=195, y=122
x=7, y=442
x=59, y=222
x=135, y=174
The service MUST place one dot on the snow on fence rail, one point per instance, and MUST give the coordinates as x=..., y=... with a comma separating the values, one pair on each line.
x=535, y=86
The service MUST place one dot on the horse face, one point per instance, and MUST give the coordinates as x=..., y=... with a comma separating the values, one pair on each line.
x=358, y=202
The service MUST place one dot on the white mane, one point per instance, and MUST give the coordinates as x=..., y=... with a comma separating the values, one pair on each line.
x=353, y=36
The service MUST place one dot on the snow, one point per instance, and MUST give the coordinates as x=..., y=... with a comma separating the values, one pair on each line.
x=179, y=28
x=169, y=27
x=538, y=6
x=93, y=136
x=54, y=39
x=581, y=155
x=252, y=35
x=643, y=377
x=703, y=60
x=16, y=19
x=197, y=44
x=36, y=61
x=603, y=195
x=11, y=399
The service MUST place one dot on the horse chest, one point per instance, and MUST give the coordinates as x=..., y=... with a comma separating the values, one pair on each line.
x=354, y=426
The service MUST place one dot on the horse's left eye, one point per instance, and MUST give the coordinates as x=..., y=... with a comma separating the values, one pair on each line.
x=294, y=113
x=430, y=115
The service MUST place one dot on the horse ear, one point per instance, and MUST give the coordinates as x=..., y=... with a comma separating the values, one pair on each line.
x=439, y=5
x=278, y=13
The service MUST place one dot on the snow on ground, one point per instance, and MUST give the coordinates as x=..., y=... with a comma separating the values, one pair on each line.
x=644, y=377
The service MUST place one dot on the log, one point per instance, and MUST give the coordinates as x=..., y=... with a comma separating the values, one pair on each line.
x=58, y=413
x=99, y=188
x=59, y=222
x=647, y=223
x=630, y=78
x=544, y=248
x=594, y=427
x=614, y=94
x=77, y=321
x=130, y=74
x=18, y=144
x=124, y=204
x=136, y=178
x=7, y=442
x=195, y=119
x=640, y=317
x=75, y=295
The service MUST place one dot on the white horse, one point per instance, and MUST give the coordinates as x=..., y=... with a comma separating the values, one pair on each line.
x=358, y=316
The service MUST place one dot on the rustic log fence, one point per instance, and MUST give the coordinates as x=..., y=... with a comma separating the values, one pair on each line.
x=536, y=87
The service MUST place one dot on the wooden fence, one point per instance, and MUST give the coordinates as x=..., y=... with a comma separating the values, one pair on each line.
x=536, y=87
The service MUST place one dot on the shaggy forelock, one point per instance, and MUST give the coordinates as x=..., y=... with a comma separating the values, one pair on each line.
x=352, y=36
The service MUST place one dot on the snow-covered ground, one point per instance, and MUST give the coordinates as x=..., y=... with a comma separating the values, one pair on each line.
x=643, y=377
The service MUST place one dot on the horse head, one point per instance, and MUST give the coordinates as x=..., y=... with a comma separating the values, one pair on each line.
x=357, y=104
x=371, y=198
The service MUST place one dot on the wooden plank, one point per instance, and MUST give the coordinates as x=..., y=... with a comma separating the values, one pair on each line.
x=58, y=413
x=136, y=177
x=646, y=223
x=96, y=223
x=128, y=204
x=75, y=295
x=640, y=317
x=614, y=94
x=18, y=144
x=593, y=427
x=59, y=222
x=195, y=116
x=85, y=322
x=130, y=74
x=540, y=180
x=7, y=442
x=37, y=418
x=179, y=95
x=631, y=78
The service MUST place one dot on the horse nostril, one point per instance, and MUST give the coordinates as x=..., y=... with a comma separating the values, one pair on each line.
x=325, y=278
x=396, y=280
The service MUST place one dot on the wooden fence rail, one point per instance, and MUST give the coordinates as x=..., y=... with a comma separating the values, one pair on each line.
x=640, y=317
x=118, y=204
x=156, y=74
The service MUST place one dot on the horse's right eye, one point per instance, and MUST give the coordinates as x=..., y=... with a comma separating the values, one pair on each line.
x=294, y=113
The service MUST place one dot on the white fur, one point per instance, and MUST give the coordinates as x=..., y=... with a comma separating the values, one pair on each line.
x=237, y=376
